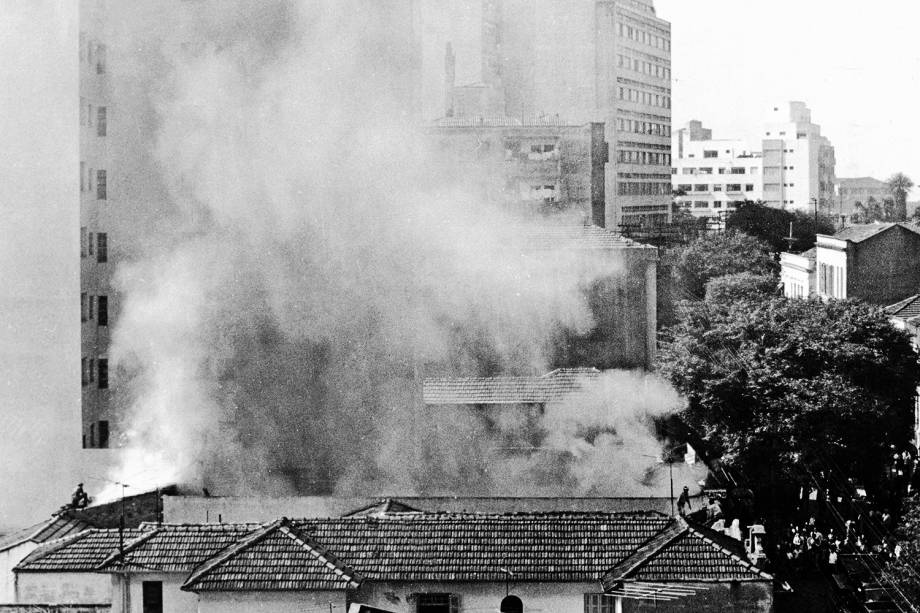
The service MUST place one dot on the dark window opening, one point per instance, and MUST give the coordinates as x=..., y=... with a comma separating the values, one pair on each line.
x=437, y=603
x=103, y=374
x=152, y=599
x=92, y=435
x=511, y=604
x=101, y=121
x=102, y=311
x=101, y=192
x=102, y=247
x=104, y=434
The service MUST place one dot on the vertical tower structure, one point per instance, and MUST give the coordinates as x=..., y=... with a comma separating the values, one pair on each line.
x=603, y=61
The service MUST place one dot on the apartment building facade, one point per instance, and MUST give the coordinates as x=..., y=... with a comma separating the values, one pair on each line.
x=97, y=202
x=791, y=167
x=858, y=190
x=712, y=176
x=798, y=162
x=601, y=61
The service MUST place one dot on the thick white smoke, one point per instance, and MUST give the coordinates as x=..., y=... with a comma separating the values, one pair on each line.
x=319, y=261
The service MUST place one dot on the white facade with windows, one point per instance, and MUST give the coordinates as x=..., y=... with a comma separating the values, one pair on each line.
x=790, y=167
x=711, y=176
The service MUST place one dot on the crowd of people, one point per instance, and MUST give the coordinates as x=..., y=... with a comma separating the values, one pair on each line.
x=819, y=546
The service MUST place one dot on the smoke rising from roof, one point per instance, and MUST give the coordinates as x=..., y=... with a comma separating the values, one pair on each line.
x=317, y=260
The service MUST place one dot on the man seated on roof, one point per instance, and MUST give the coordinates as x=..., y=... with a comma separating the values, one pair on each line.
x=79, y=499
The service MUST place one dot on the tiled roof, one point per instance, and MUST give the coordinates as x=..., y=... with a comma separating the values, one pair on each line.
x=578, y=236
x=864, y=182
x=551, y=387
x=442, y=547
x=277, y=557
x=48, y=530
x=860, y=232
x=686, y=552
x=906, y=309
x=84, y=551
x=177, y=548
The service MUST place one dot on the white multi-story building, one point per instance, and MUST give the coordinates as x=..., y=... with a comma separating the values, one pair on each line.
x=791, y=167
x=798, y=163
x=711, y=176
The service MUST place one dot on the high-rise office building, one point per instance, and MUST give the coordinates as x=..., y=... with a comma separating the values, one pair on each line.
x=97, y=203
x=605, y=61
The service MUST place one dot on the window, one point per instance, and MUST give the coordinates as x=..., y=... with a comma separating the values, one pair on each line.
x=83, y=242
x=738, y=171
x=436, y=603
x=100, y=59
x=683, y=187
x=103, y=374
x=89, y=244
x=92, y=303
x=717, y=188
x=89, y=179
x=689, y=171
x=84, y=372
x=100, y=185
x=600, y=603
x=152, y=597
x=102, y=311
x=826, y=277
x=700, y=187
x=102, y=247
x=83, y=306
x=101, y=121
x=733, y=187
x=749, y=187
x=92, y=435
x=710, y=154
x=705, y=171
x=717, y=204
x=104, y=434
x=92, y=370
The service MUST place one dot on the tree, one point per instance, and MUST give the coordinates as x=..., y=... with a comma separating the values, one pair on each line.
x=904, y=569
x=899, y=185
x=714, y=255
x=740, y=286
x=772, y=226
x=778, y=385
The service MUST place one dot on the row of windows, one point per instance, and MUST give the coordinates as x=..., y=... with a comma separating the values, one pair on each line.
x=718, y=187
x=87, y=176
x=641, y=36
x=515, y=150
x=628, y=188
x=94, y=244
x=93, y=53
x=94, y=372
x=708, y=170
x=94, y=308
x=643, y=97
x=703, y=204
x=647, y=68
x=89, y=115
x=102, y=442
x=647, y=158
x=640, y=175
x=643, y=127
x=628, y=143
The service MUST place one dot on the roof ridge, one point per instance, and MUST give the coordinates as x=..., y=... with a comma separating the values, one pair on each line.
x=322, y=553
x=137, y=541
x=676, y=528
x=224, y=555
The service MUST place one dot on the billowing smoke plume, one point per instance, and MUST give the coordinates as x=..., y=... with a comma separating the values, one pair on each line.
x=317, y=263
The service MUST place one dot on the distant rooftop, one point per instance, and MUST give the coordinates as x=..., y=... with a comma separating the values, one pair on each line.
x=860, y=232
x=551, y=387
x=860, y=182
x=502, y=121
x=906, y=309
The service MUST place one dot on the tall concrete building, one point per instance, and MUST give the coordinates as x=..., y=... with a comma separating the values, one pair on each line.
x=98, y=302
x=798, y=162
x=582, y=61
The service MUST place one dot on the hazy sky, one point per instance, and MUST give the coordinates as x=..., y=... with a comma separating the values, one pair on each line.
x=856, y=65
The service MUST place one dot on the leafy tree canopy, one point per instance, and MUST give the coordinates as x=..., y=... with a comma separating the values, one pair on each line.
x=741, y=286
x=772, y=226
x=899, y=185
x=904, y=570
x=776, y=384
x=718, y=254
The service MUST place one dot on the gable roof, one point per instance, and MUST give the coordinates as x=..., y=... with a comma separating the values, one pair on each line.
x=906, y=309
x=383, y=507
x=277, y=557
x=551, y=387
x=176, y=547
x=42, y=532
x=860, y=232
x=80, y=552
x=686, y=552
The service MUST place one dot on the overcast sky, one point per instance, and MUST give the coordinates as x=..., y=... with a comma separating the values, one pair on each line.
x=856, y=65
